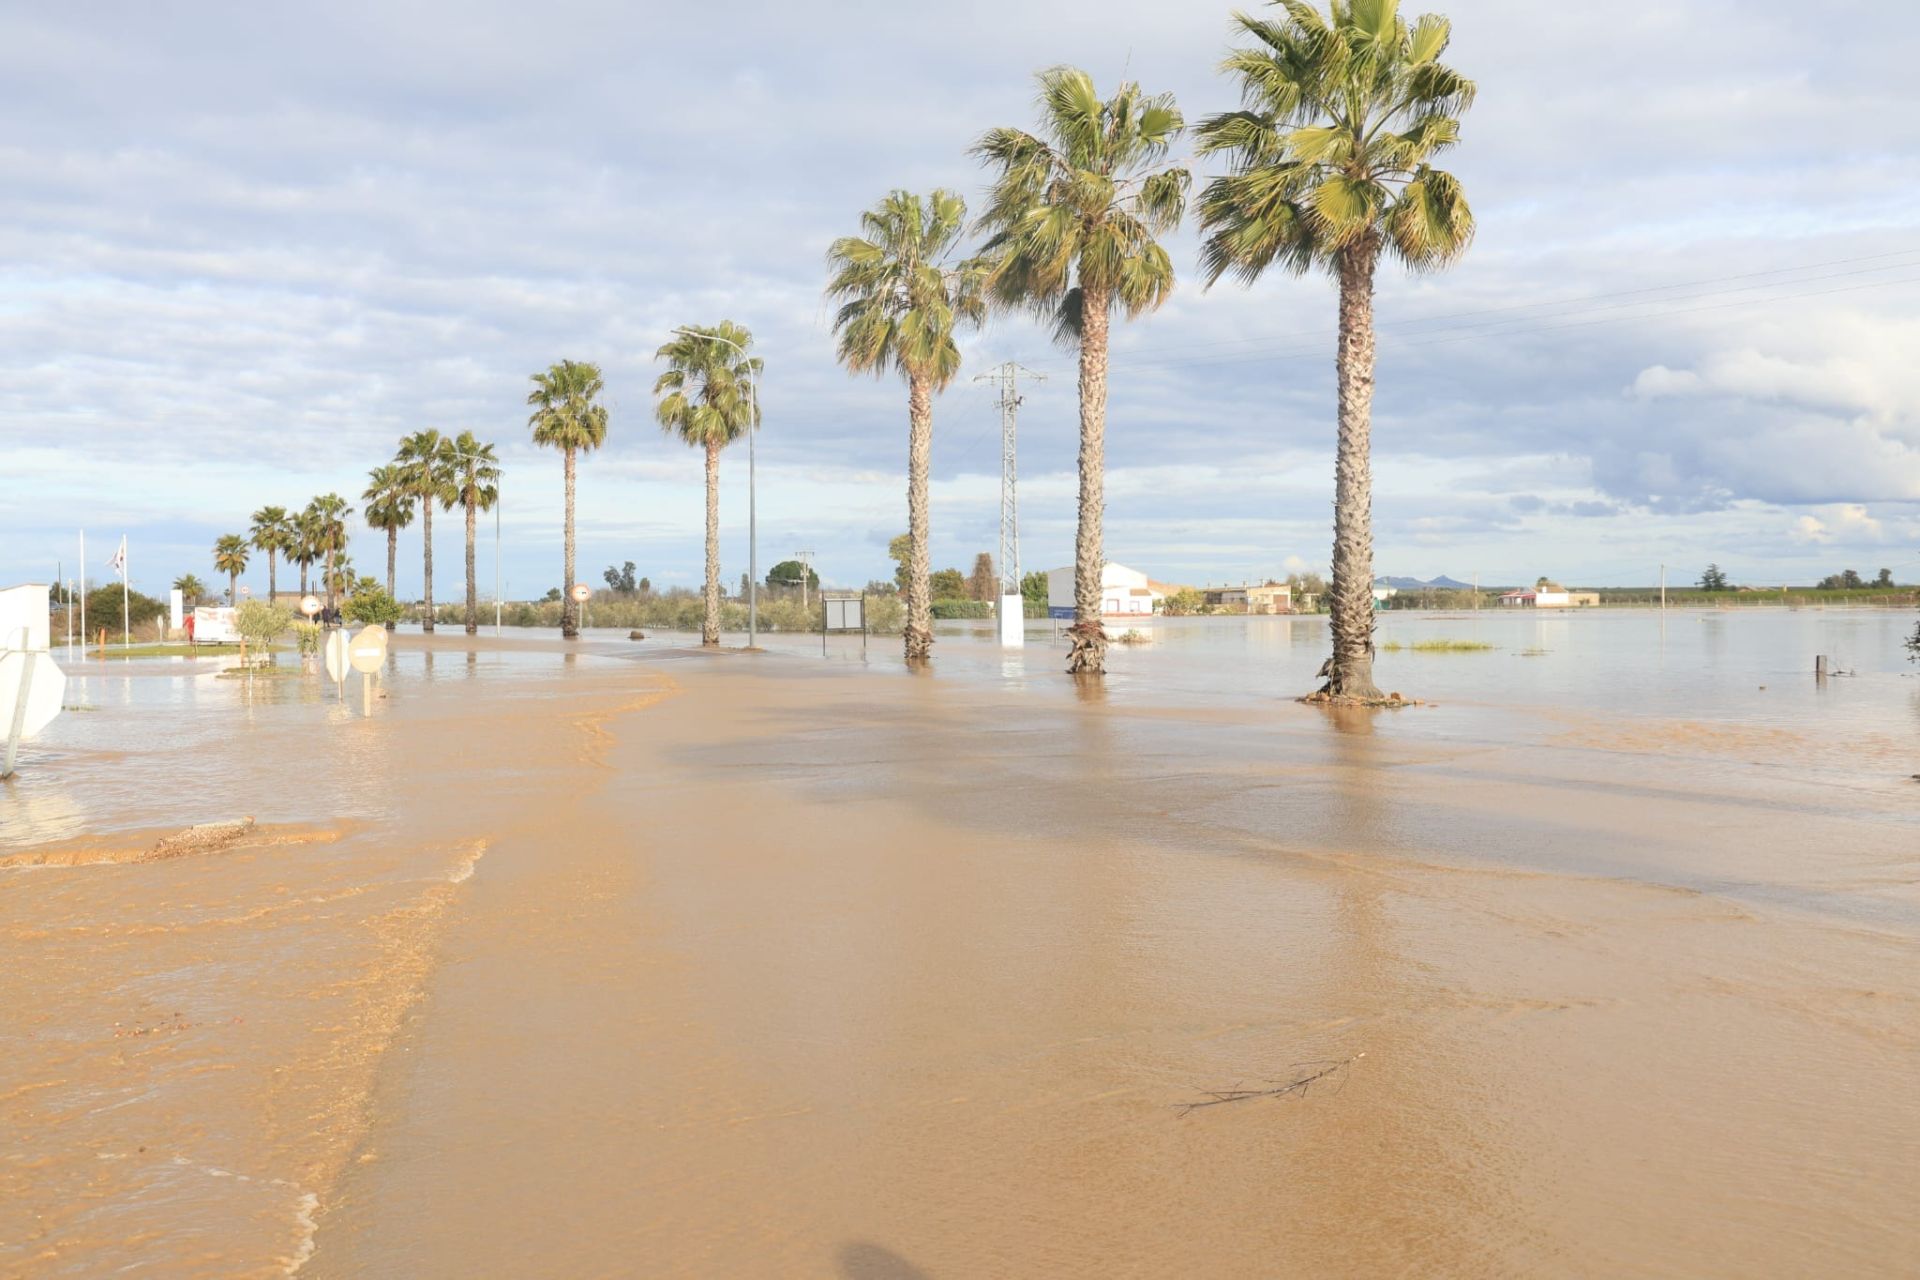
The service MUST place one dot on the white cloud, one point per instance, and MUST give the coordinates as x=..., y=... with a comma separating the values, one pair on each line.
x=241, y=252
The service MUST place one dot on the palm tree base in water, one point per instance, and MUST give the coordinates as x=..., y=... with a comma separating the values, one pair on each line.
x=1087, y=649
x=919, y=644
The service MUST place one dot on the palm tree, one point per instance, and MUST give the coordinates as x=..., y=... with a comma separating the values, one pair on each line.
x=230, y=558
x=305, y=537
x=340, y=577
x=1073, y=217
x=476, y=482
x=708, y=403
x=565, y=417
x=1330, y=168
x=329, y=514
x=900, y=301
x=428, y=473
x=389, y=507
x=190, y=589
x=272, y=533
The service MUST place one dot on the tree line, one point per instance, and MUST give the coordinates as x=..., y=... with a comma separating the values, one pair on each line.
x=1327, y=165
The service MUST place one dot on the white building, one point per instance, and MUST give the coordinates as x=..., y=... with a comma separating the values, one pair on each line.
x=1124, y=592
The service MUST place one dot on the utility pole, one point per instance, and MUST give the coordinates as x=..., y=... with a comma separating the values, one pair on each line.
x=806, y=571
x=1663, y=588
x=1007, y=378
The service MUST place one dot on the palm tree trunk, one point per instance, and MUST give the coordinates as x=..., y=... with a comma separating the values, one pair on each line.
x=569, y=615
x=426, y=530
x=303, y=578
x=1349, y=671
x=393, y=548
x=919, y=629
x=1087, y=648
x=272, y=589
x=329, y=580
x=710, y=623
x=473, y=601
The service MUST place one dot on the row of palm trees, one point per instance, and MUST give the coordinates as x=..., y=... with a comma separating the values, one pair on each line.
x=428, y=467
x=316, y=534
x=1328, y=167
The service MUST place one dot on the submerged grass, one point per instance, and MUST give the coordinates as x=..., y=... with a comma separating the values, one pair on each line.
x=1437, y=646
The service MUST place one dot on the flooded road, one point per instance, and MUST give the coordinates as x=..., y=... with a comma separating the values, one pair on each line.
x=640, y=963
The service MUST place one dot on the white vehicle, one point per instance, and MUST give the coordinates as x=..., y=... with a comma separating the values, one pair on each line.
x=214, y=625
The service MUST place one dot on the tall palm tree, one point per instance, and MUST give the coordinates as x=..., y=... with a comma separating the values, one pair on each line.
x=476, y=486
x=1073, y=218
x=566, y=417
x=272, y=532
x=424, y=462
x=305, y=538
x=389, y=506
x=1330, y=168
x=329, y=512
x=190, y=588
x=230, y=558
x=705, y=398
x=900, y=302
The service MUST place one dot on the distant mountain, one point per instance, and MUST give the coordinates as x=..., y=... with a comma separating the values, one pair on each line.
x=1442, y=583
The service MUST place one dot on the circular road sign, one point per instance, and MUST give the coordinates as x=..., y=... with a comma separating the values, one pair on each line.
x=309, y=605
x=368, y=650
x=337, y=663
x=582, y=592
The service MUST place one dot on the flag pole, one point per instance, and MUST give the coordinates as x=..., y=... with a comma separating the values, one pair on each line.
x=126, y=627
x=83, y=586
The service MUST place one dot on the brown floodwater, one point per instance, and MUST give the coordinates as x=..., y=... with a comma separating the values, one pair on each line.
x=635, y=962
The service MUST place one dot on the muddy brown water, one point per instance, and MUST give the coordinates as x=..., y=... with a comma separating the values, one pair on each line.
x=625, y=961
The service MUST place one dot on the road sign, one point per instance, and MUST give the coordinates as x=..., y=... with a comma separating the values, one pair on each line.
x=338, y=664
x=368, y=650
x=31, y=690
x=309, y=605
x=582, y=592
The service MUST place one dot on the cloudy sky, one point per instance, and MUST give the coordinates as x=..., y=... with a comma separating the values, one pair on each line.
x=246, y=246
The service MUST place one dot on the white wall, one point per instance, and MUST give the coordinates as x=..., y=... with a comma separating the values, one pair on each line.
x=23, y=615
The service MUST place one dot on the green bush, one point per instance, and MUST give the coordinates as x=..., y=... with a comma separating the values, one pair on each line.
x=259, y=622
x=373, y=607
x=306, y=635
x=964, y=609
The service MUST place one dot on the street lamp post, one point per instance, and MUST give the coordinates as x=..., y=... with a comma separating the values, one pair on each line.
x=498, y=470
x=753, y=527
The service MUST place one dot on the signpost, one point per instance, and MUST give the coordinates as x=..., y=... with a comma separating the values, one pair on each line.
x=31, y=686
x=367, y=651
x=581, y=594
x=310, y=605
x=843, y=611
x=338, y=663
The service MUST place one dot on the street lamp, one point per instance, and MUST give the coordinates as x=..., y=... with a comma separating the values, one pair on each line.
x=753, y=527
x=498, y=471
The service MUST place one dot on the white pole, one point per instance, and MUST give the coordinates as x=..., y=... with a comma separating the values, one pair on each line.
x=83, y=586
x=496, y=559
x=126, y=627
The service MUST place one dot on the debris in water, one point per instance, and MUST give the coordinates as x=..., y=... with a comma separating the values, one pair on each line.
x=1214, y=1097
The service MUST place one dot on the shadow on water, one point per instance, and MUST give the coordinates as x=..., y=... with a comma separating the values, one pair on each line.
x=860, y=1260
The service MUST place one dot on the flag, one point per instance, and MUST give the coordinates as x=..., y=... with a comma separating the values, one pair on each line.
x=119, y=562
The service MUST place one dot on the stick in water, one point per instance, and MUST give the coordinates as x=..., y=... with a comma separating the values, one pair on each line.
x=1217, y=1096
